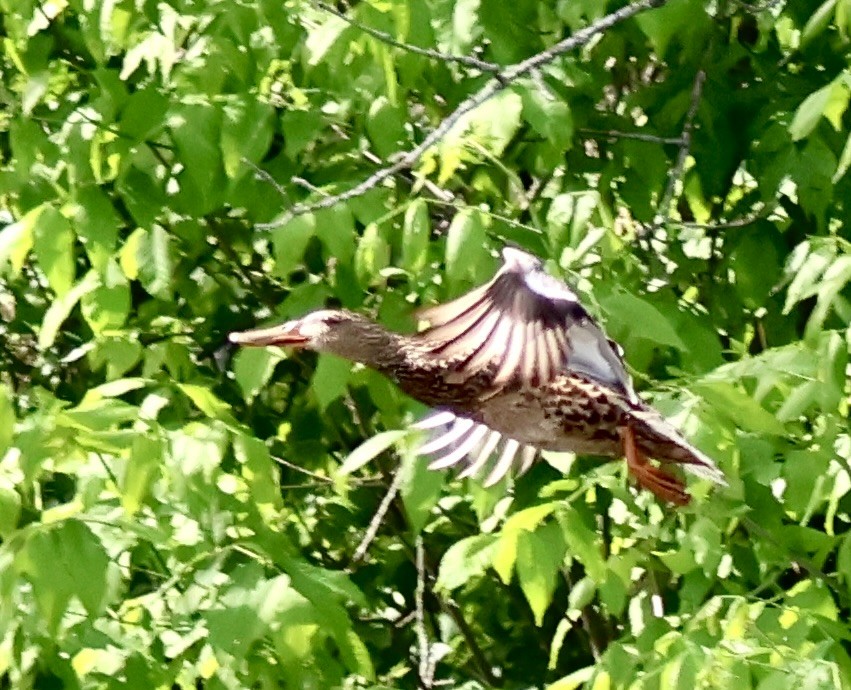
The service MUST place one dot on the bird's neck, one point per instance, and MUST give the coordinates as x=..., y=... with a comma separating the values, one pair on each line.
x=376, y=347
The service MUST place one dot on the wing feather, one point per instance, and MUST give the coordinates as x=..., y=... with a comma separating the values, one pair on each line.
x=530, y=327
x=455, y=439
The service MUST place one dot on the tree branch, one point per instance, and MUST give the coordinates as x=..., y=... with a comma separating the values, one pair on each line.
x=384, y=37
x=378, y=518
x=676, y=173
x=495, y=85
x=615, y=134
x=426, y=665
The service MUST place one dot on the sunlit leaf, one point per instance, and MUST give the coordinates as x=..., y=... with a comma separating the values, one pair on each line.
x=464, y=560
x=369, y=449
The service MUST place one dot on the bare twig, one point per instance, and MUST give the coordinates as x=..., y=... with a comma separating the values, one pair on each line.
x=378, y=518
x=298, y=468
x=592, y=625
x=759, y=7
x=266, y=177
x=615, y=134
x=309, y=186
x=490, y=89
x=445, y=602
x=675, y=174
x=426, y=664
x=451, y=607
x=735, y=223
x=384, y=37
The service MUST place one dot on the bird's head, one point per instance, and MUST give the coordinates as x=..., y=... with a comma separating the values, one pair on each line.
x=336, y=331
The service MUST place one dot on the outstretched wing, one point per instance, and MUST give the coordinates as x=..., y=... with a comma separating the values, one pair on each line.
x=529, y=324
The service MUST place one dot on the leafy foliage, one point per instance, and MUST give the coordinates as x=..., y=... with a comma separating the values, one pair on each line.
x=177, y=514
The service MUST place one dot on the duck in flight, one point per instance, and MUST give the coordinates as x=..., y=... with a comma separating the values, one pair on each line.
x=514, y=367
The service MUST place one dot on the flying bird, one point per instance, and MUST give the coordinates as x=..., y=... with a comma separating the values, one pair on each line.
x=514, y=367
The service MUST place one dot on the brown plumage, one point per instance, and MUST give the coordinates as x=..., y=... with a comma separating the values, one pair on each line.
x=513, y=367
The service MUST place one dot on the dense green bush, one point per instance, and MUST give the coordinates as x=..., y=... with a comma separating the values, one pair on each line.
x=177, y=514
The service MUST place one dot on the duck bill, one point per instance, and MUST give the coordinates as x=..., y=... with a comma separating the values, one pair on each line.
x=284, y=335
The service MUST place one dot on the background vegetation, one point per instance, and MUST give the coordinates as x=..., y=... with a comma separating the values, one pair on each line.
x=175, y=514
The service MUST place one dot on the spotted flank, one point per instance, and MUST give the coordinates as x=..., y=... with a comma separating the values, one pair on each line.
x=458, y=441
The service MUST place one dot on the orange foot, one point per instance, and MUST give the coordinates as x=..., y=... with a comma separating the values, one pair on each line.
x=664, y=485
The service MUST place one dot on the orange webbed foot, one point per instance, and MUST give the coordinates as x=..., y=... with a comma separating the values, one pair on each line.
x=664, y=485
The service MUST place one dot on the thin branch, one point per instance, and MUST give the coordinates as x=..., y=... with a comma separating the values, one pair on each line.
x=676, y=173
x=615, y=134
x=384, y=37
x=266, y=177
x=426, y=664
x=735, y=223
x=490, y=89
x=446, y=603
x=451, y=607
x=594, y=630
x=378, y=518
x=298, y=468
x=309, y=186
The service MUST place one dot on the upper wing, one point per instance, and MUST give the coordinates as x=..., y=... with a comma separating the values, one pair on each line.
x=531, y=325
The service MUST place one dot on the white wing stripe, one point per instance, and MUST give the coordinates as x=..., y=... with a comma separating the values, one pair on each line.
x=483, y=455
x=527, y=457
x=463, y=448
x=435, y=420
x=504, y=463
x=455, y=432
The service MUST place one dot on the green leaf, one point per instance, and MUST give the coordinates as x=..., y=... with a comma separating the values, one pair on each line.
x=16, y=239
x=331, y=379
x=10, y=509
x=539, y=559
x=385, y=126
x=290, y=240
x=581, y=594
x=107, y=307
x=53, y=246
x=674, y=19
x=260, y=472
x=336, y=228
x=505, y=554
x=574, y=680
x=642, y=319
x=818, y=22
x=322, y=38
x=61, y=561
x=549, y=116
x=206, y=401
x=416, y=230
x=806, y=266
x=252, y=369
x=742, y=409
x=156, y=267
x=61, y=308
x=465, y=559
x=372, y=255
x=834, y=280
x=464, y=244
x=7, y=418
x=829, y=101
x=582, y=542
x=247, y=131
x=370, y=449
x=420, y=488
x=146, y=457
x=196, y=130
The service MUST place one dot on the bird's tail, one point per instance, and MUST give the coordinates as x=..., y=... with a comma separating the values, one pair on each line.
x=659, y=439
